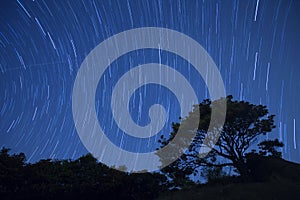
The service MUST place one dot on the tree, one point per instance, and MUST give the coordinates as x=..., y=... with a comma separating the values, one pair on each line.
x=244, y=124
x=11, y=171
x=83, y=178
x=269, y=148
x=213, y=173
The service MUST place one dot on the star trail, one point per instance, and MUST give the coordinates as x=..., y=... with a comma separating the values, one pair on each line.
x=255, y=45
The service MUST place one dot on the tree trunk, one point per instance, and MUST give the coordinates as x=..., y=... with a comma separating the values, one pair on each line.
x=243, y=170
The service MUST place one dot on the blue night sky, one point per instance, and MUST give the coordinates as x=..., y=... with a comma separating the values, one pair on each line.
x=254, y=43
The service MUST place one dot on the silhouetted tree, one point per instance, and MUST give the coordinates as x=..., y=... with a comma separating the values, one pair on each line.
x=213, y=173
x=244, y=124
x=270, y=148
x=83, y=178
x=11, y=171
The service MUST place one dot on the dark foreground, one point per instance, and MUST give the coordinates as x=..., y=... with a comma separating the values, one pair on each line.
x=273, y=179
x=85, y=178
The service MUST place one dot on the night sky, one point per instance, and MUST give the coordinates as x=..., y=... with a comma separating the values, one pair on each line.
x=255, y=45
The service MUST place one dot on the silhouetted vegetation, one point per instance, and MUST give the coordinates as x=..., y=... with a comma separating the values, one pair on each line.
x=84, y=178
x=244, y=126
x=238, y=167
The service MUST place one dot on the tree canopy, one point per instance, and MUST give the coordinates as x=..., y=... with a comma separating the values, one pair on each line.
x=240, y=145
x=83, y=178
x=245, y=125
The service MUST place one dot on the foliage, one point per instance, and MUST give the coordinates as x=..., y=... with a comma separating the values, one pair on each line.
x=213, y=173
x=83, y=178
x=244, y=124
x=269, y=148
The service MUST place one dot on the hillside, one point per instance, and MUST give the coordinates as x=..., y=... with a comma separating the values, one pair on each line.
x=273, y=178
